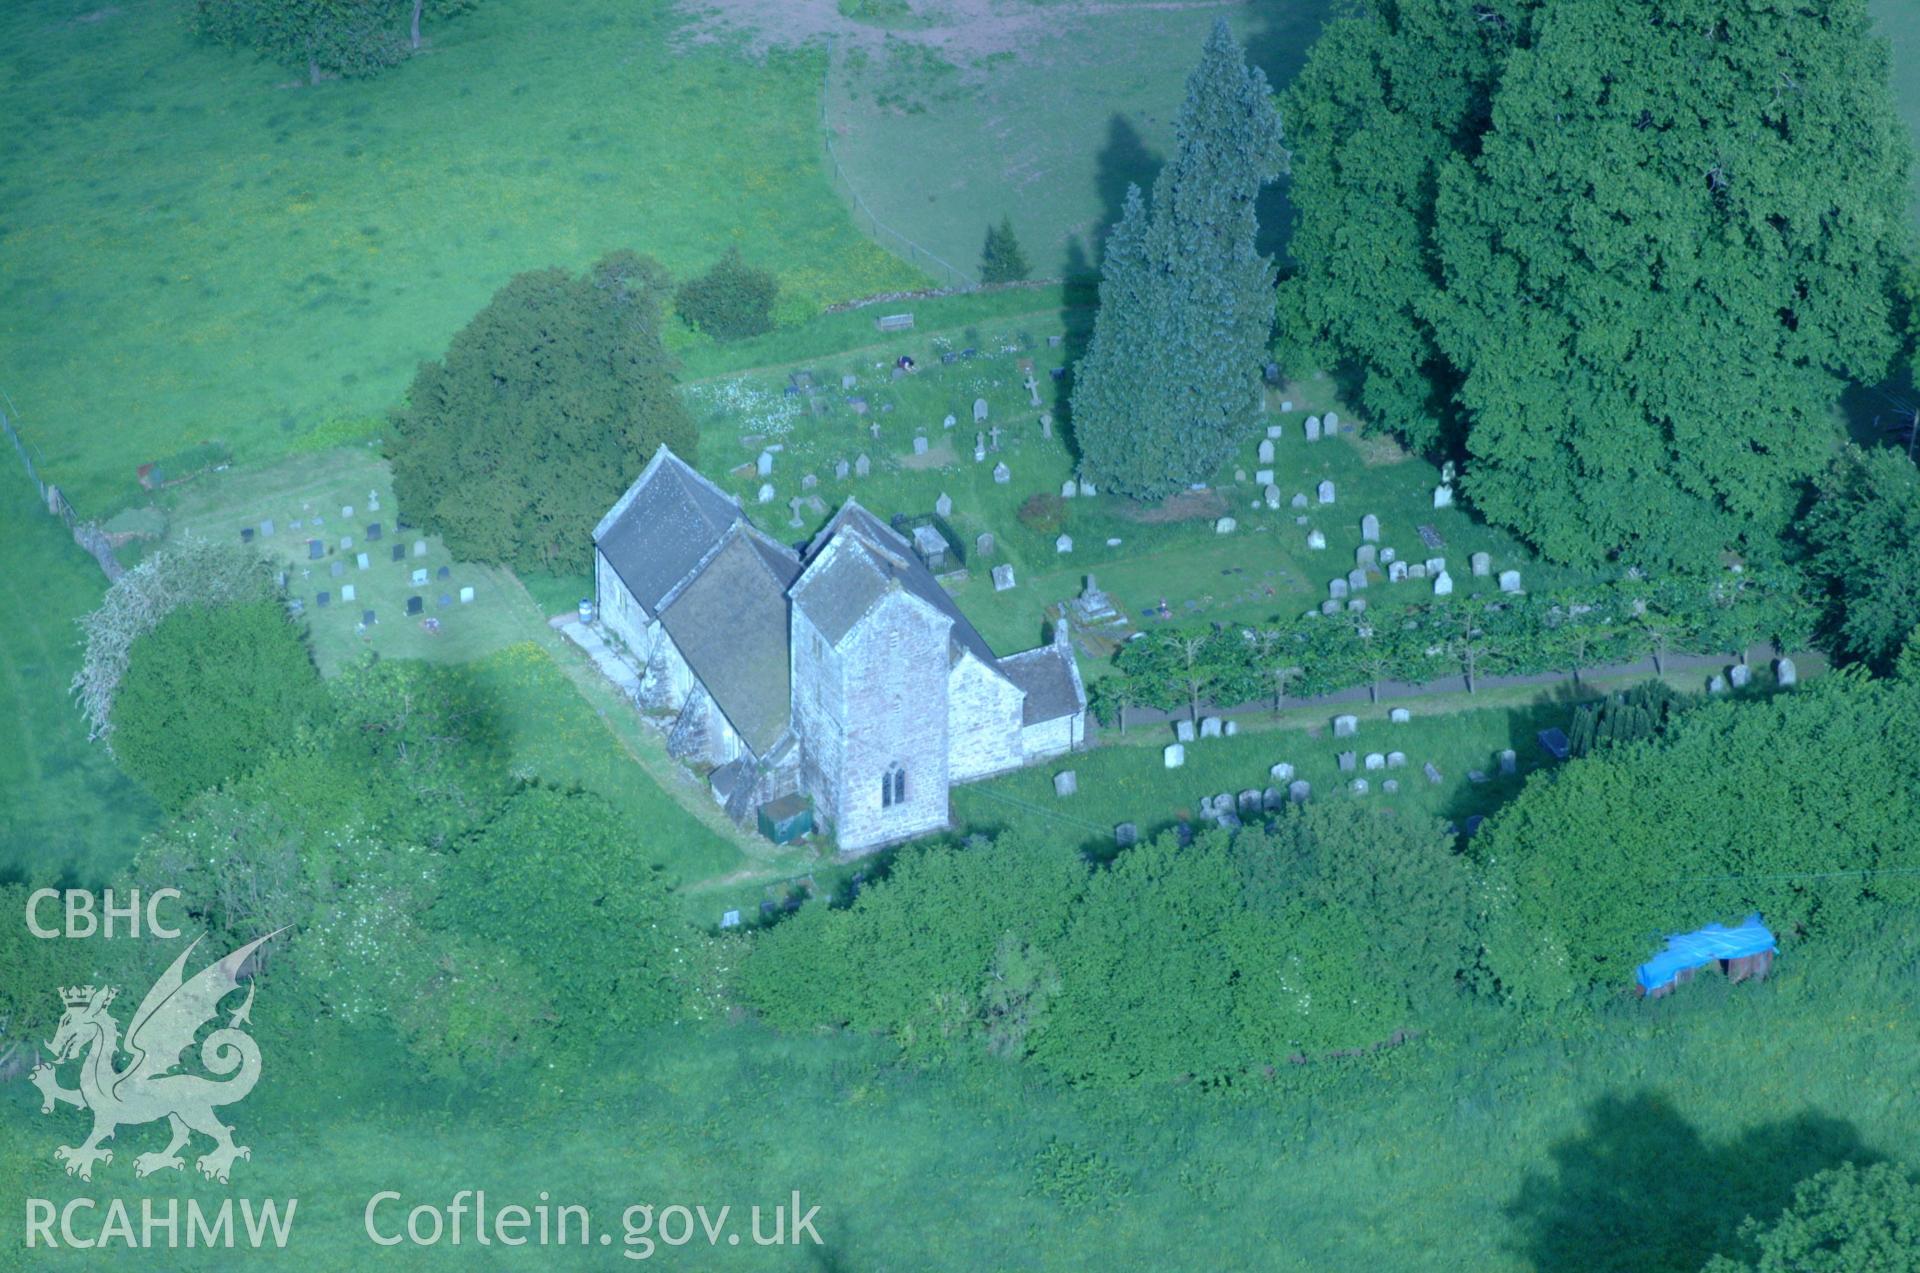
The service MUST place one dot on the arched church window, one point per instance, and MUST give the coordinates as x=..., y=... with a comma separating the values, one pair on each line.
x=893, y=786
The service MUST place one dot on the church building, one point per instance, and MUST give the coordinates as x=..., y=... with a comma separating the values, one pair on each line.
x=841, y=670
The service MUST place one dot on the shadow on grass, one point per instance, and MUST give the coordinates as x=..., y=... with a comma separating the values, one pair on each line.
x=1640, y=1189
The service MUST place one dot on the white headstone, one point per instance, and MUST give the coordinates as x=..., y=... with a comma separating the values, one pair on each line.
x=362, y=560
x=949, y=422
x=1002, y=577
x=1272, y=496
x=1325, y=492
x=1509, y=581
x=466, y=595
x=1443, y=584
x=419, y=547
x=979, y=410
x=1337, y=589
x=1509, y=762
x=1298, y=790
x=1002, y=474
x=983, y=545
x=1359, y=786
x=419, y=578
x=862, y=466
x=1299, y=499
x=764, y=465
x=1184, y=730
x=1396, y=572
x=1263, y=477
x=943, y=505
x=1174, y=756
x=1065, y=783
x=1482, y=565
x=347, y=592
x=1266, y=451
x=1225, y=526
x=1346, y=726
x=1375, y=760
x=1313, y=428
x=1209, y=727
x=1399, y=715
x=920, y=444
x=1282, y=772
x=1739, y=675
x=1443, y=497
x=1785, y=673
x=1287, y=405
x=1064, y=544
x=1316, y=540
x=1086, y=488
x=1357, y=578
x=766, y=493
x=1396, y=760
x=1366, y=556
x=1370, y=529
x=1068, y=489
x=1332, y=423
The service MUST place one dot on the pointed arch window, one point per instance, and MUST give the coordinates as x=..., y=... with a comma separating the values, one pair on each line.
x=893, y=786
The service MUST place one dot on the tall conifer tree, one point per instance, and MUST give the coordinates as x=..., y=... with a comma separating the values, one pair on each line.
x=1171, y=377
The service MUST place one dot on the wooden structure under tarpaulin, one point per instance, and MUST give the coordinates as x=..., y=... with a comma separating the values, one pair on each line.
x=1741, y=952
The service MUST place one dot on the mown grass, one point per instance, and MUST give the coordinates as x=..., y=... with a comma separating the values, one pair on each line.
x=1636, y=1137
x=66, y=811
x=196, y=246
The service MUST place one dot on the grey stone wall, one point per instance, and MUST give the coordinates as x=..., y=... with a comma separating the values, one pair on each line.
x=819, y=714
x=983, y=721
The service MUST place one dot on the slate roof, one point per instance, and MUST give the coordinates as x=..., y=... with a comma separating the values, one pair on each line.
x=1050, y=679
x=867, y=561
x=669, y=520
x=729, y=621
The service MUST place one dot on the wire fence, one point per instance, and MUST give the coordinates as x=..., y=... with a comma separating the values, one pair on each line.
x=920, y=256
x=84, y=532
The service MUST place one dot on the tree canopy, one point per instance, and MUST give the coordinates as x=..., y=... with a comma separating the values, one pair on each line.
x=1001, y=260
x=1170, y=381
x=1841, y=1220
x=545, y=407
x=1634, y=248
x=1863, y=537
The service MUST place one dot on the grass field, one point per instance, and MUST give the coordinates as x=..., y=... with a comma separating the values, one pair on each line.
x=1041, y=112
x=66, y=811
x=1633, y=1141
x=1899, y=22
x=195, y=247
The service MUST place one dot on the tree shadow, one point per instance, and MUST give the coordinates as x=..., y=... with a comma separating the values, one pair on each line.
x=1278, y=35
x=1124, y=161
x=1640, y=1189
x=1076, y=316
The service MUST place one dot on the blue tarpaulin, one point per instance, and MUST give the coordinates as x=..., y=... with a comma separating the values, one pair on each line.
x=1703, y=946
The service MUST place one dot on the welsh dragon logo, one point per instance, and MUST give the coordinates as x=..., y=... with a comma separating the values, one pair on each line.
x=163, y=1028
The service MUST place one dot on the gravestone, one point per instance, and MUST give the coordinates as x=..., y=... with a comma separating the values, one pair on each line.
x=1316, y=540
x=1396, y=572
x=1366, y=556
x=1396, y=760
x=466, y=595
x=808, y=481
x=1325, y=492
x=374, y=532
x=1482, y=565
x=266, y=527
x=1332, y=423
x=765, y=495
x=1086, y=489
x=1183, y=730
x=894, y=322
x=1443, y=584
x=764, y=465
x=1299, y=790
x=1554, y=743
x=346, y=542
x=1476, y=777
x=1282, y=772
x=1250, y=803
x=1436, y=566
x=1225, y=526
x=849, y=380
x=1313, y=428
x=445, y=572
x=1375, y=760
x=1064, y=544
x=1046, y=425
x=1209, y=727
x=399, y=552
x=1271, y=800
x=1399, y=716
x=1263, y=477
x=862, y=465
x=1739, y=675
x=1443, y=497
x=1174, y=756
x=1125, y=835
x=1387, y=555
x=1068, y=489
x=1509, y=581
x=979, y=448
x=346, y=511
x=1287, y=405
x=920, y=445
x=1417, y=571
x=415, y=605
x=1509, y=762
x=316, y=549
x=1276, y=431
x=1784, y=672
x=367, y=618
x=1329, y=606
x=1337, y=589
x=336, y=568
x=944, y=505
x=1357, y=579
x=1358, y=786
x=347, y=592
x=1356, y=605
x=1065, y=783
x=840, y=470
x=1272, y=496
x=1002, y=577
x=1349, y=761
x=322, y=599
x=1002, y=474
x=443, y=600
x=246, y=534
x=1299, y=499
x=859, y=407
x=983, y=545
x=362, y=560
x=1346, y=726
x=1433, y=775
x=1370, y=529
x=419, y=547
x=1266, y=451
x=1717, y=684
x=979, y=410
x=1391, y=786
x=420, y=578
x=949, y=421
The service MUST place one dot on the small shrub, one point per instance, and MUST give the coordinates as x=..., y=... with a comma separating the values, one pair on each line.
x=730, y=301
x=1001, y=260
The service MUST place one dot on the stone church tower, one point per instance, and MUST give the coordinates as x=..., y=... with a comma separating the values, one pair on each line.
x=870, y=664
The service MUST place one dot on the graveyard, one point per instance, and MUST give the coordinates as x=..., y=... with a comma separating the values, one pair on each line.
x=1354, y=979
